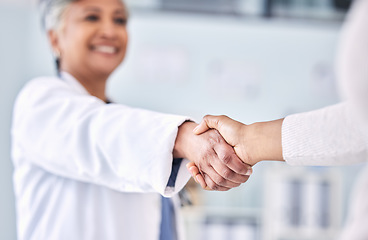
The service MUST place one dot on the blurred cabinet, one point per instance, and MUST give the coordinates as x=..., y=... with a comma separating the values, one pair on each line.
x=298, y=203
x=307, y=9
x=302, y=203
x=216, y=223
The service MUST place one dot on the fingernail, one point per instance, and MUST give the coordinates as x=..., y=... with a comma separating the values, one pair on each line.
x=197, y=178
x=249, y=172
x=192, y=172
x=196, y=128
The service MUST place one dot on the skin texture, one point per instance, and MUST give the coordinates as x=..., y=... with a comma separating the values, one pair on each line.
x=252, y=143
x=92, y=41
x=215, y=159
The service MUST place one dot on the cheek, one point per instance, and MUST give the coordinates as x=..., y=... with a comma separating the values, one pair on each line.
x=124, y=38
x=75, y=42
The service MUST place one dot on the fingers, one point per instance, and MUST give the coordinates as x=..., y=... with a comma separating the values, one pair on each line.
x=211, y=184
x=208, y=122
x=205, y=181
x=201, y=128
x=230, y=166
x=211, y=180
x=219, y=168
x=215, y=181
x=194, y=171
x=228, y=177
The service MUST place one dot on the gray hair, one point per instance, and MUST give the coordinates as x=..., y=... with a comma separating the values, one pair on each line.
x=52, y=11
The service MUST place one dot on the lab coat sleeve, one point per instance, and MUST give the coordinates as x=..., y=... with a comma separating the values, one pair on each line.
x=329, y=136
x=80, y=137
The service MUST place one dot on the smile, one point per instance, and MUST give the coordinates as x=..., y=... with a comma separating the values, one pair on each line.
x=105, y=49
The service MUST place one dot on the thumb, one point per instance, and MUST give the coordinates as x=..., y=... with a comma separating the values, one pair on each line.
x=208, y=122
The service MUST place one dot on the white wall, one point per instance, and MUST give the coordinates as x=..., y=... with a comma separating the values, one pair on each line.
x=276, y=64
x=12, y=59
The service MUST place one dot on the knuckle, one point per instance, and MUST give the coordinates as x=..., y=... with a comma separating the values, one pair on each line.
x=227, y=174
x=214, y=138
x=220, y=180
x=208, y=163
x=226, y=159
x=239, y=169
x=212, y=185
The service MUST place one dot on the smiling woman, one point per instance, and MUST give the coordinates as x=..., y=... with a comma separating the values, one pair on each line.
x=84, y=169
x=91, y=41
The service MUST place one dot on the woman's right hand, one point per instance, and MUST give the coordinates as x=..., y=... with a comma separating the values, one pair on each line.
x=214, y=158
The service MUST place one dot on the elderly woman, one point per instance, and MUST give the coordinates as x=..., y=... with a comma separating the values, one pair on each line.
x=85, y=169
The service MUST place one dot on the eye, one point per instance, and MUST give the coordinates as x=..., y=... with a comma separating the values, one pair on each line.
x=92, y=18
x=120, y=20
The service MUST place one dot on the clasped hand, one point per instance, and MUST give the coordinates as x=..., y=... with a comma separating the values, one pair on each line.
x=251, y=143
x=232, y=132
x=212, y=157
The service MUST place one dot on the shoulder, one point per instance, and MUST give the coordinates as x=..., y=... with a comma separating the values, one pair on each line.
x=41, y=83
x=42, y=88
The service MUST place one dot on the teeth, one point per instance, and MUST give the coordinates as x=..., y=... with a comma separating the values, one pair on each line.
x=106, y=49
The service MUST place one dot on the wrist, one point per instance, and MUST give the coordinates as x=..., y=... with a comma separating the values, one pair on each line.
x=185, y=132
x=263, y=141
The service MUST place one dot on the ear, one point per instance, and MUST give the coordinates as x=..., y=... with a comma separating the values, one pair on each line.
x=54, y=41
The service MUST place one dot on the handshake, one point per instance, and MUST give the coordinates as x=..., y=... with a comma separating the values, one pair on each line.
x=236, y=147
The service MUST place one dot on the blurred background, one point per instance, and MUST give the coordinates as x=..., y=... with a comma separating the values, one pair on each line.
x=253, y=60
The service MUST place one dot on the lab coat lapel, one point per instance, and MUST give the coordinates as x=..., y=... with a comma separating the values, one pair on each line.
x=72, y=82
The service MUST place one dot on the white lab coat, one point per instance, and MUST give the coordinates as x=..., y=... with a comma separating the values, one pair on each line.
x=87, y=170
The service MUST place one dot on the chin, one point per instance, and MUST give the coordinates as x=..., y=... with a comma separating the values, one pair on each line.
x=103, y=70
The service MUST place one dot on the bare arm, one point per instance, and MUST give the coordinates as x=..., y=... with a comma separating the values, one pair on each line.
x=252, y=143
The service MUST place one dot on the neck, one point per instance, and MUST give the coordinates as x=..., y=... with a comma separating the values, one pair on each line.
x=94, y=84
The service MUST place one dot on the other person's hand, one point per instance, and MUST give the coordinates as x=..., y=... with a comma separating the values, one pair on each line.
x=252, y=143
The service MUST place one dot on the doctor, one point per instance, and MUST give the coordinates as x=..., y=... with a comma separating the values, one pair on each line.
x=85, y=169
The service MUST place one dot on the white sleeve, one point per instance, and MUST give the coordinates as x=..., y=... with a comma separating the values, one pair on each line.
x=338, y=134
x=80, y=137
x=352, y=61
x=329, y=136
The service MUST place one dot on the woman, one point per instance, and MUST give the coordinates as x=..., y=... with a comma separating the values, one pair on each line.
x=85, y=169
x=334, y=135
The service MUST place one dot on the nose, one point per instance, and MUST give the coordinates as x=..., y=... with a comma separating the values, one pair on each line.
x=108, y=29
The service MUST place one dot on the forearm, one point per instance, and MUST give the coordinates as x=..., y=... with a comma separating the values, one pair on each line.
x=263, y=141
